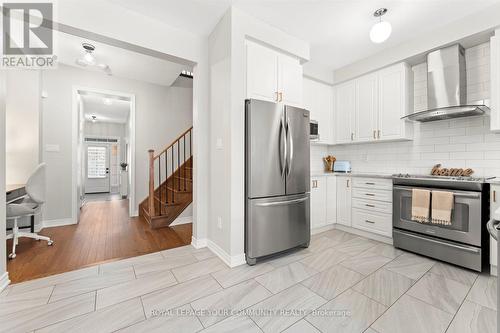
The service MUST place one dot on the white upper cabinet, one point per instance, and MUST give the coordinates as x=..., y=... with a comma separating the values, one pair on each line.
x=290, y=80
x=495, y=82
x=345, y=108
x=318, y=99
x=366, y=108
x=262, y=73
x=273, y=76
x=370, y=108
x=394, y=102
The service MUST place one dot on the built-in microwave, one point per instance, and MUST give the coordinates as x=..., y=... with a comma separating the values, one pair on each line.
x=313, y=130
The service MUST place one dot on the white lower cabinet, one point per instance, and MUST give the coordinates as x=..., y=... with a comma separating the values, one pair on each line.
x=318, y=201
x=323, y=201
x=372, y=205
x=495, y=204
x=344, y=197
x=331, y=200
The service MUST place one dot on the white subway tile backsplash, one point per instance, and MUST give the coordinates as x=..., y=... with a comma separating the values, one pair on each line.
x=462, y=142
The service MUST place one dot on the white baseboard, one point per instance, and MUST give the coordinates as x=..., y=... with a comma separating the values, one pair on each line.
x=198, y=243
x=322, y=229
x=493, y=270
x=55, y=223
x=182, y=220
x=4, y=281
x=363, y=233
x=231, y=261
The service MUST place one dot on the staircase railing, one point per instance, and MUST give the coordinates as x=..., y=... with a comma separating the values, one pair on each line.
x=167, y=172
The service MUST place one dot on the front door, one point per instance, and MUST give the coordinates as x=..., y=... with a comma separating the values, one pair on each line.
x=97, y=178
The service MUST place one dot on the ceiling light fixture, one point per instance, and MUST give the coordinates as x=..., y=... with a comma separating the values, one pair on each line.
x=107, y=101
x=382, y=29
x=88, y=59
x=94, y=119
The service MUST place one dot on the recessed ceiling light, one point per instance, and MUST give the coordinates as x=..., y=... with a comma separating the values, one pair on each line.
x=382, y=29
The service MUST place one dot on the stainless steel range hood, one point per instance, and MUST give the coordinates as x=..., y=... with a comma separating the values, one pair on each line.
x=447, y=87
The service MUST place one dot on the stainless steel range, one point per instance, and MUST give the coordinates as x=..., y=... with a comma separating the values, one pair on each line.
x=465, y=241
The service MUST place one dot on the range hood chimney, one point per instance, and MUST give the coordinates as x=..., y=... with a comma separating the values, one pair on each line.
x=447, y=87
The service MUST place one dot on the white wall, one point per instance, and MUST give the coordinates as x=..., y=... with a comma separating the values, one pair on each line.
x=22, y=119
x=228, y=84
x=4, y=277
x=461, y=143
x=157, y=123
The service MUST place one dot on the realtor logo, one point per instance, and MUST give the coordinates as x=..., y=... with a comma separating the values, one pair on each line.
x=28, y=39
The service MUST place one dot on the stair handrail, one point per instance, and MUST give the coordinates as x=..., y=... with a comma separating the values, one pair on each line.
x=153, y=158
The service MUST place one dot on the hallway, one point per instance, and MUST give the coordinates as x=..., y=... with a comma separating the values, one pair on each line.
x=105, y=233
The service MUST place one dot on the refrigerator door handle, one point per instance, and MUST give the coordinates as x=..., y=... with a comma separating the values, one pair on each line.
x=280, y=203
x=283, y=142
x=290, y=144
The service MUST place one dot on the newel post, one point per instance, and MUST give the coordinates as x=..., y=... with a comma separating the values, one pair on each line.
x=151, y=198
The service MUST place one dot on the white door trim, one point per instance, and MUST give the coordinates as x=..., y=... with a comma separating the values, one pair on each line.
x=133, y=211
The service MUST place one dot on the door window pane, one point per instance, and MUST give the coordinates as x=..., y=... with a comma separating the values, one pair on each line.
x=96, y=162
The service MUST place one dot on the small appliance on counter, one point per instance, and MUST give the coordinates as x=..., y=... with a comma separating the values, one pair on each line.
x=342, y=166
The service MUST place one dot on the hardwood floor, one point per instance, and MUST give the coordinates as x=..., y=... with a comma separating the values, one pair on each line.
x=105, y=233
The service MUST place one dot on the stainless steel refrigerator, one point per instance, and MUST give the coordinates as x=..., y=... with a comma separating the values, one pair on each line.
x=277, y=177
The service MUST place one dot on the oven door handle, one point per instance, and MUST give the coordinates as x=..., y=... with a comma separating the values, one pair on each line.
x=470, y=195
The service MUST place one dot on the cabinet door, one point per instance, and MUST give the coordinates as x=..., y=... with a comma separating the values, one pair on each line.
x=290, y=80
x=345, y=105
x=331, y=200
x=393, y=102
x=318, y=202
x=494, y=205
x=318, y=99
x=262, y=73
x=344, y=201
x=366, y=108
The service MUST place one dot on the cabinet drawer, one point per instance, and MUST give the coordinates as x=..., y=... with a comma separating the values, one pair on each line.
x=372, y=194
x=377, y=183
x=379, y=223
x=372, y=205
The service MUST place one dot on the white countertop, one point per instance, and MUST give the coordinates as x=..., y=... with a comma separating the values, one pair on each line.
x=495, y=181
x=352, y=174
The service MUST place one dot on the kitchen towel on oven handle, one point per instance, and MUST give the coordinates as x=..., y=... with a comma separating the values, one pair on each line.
x=442, y=205
x=420, y=205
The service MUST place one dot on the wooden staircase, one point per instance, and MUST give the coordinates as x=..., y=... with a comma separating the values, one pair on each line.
x=170, y=182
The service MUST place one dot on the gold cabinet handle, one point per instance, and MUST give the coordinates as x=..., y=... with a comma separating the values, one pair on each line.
x=368, y=221
x=494, y=196
x=348, y=183
x=378, y=134
x=374, y=134
x=352, y=136
x=281, y=97
x=276, y=97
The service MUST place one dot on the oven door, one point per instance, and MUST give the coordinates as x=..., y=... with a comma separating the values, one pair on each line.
x=466, y=218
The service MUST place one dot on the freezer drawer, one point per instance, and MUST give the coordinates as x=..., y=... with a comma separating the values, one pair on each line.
x=276, y=224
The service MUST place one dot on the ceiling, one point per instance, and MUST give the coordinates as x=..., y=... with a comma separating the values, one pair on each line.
x=93, y=105
x=123, y=63
x=336, y=29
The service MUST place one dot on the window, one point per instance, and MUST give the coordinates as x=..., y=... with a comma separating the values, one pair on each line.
x=96, y=162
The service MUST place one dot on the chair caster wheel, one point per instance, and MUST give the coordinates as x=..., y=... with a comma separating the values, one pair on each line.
x=49, y=243
x=12, y=256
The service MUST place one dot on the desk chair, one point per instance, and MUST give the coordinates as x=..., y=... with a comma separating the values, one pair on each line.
x=30, y=206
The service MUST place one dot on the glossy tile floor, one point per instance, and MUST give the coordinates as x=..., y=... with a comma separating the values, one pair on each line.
x=341, y=283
